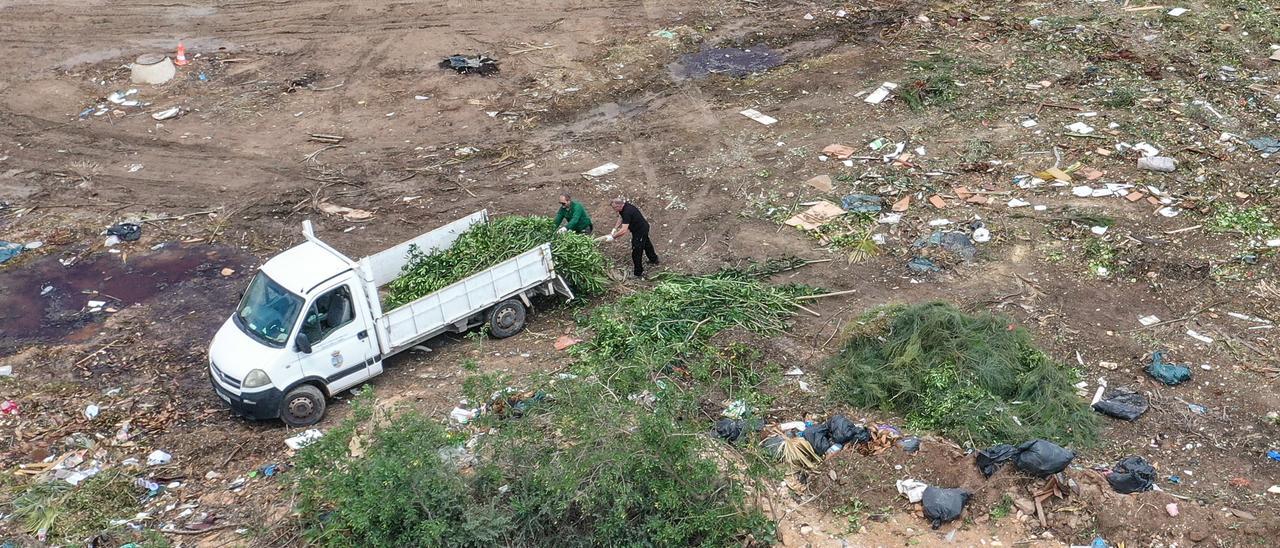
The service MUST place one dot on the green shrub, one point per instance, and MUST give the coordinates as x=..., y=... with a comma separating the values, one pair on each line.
x=583, y=470
x=655, y=330
x=975, y=378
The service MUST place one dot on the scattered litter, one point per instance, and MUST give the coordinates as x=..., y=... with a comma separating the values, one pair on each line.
x=881, y=93
x=159, y=458
x=1126, y=405
x=817, y=215
x=304, y=439
x=565, y=341
x=91, y=412
x=125, y=232
x=1191, y=333
x=9, y=407
x=794, y=372
x=981, y=235
x=862, y=203
x=1029, y=123
x=1018, y=203
x=348, y=213
x=910, y=444
x=1148, y=321
x=1266, y=145
x=758, y=116
x=6, y=370
x=463, y=416
x=167, y=114
x=840, y=152
x=822, y=183
x=922, y=265
x=1098, y=230
x=1080, y=128
x=731, y=430
x=736, y=409
x=1170, y=374
x=1177, y=12
x=1172, y=509
x=601, y=171
x=943, y=505
x=1162, y=164
x=912, y=489
x=1146, y=149
x=470, y=64
x=1273, y=455
x=9, y=250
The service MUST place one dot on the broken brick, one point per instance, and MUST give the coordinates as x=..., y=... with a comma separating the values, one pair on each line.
x=903, y=204
x=938, y=202
x=1134, y=196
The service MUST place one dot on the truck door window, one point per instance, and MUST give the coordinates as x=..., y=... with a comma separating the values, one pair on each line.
x=330, y=312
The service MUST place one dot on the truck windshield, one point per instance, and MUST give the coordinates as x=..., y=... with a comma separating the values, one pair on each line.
x=268, y=311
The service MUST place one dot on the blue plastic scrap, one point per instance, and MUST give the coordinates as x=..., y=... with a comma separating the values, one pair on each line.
x=9, y=250
x=1168, y=373
x=923, y=265
x=1266, y=145
x=862, y=203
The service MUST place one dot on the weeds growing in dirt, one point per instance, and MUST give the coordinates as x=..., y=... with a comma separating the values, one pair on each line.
x=936, y=86
x=72, y=514
x=1250, y=221
x=976, y=378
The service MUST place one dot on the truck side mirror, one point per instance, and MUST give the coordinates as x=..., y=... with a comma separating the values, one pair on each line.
x=303, y=343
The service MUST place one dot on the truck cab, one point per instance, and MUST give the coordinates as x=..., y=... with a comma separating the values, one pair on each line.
x=302, y=332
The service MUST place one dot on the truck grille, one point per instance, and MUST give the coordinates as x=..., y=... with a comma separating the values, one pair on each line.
x=225, y=378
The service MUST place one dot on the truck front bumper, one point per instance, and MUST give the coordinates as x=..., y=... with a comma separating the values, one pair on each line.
x=255, y=405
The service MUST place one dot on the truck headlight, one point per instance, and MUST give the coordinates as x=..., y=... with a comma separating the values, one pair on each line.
x=255, y=379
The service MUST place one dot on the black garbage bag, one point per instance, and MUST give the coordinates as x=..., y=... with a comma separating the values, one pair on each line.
x=1042, y=458
x=1132, y=475
x=470, y=64
x=843, y=431
x=943, y=505
x=732, y=430
x=819, y=436
x=1123, y=405
x=126, y=232
x=989, y=460
x=910, y=444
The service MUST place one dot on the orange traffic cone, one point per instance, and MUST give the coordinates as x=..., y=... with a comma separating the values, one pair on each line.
x=182, y=55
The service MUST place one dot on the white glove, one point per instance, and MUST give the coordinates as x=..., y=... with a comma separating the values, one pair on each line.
x=563, y=229
x=608, y=238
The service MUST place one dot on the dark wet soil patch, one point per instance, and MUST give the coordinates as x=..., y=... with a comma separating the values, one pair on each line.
x=46, y=301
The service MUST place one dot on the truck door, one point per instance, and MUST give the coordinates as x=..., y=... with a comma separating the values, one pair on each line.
x=342, y=348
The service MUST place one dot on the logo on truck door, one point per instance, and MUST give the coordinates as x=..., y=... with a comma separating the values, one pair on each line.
x=336, y=358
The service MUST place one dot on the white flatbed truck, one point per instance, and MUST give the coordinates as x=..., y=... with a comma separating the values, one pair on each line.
x=311, y=324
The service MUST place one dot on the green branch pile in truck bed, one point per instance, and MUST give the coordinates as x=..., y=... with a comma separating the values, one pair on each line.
x=977, y=378
x=487, y=244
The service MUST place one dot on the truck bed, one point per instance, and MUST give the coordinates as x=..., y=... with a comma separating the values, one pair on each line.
x=442, y=310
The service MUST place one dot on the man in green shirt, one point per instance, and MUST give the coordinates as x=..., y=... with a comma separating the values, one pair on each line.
x=574, y=214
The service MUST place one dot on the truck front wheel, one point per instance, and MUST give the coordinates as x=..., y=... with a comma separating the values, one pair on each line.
x=506, y=319
x=303, y=406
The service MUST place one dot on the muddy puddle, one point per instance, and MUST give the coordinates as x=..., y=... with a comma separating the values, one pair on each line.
x=735, y=62
x=46, y=301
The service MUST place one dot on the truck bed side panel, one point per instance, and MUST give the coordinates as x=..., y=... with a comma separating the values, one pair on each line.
x=386, y=265
x=432, y=314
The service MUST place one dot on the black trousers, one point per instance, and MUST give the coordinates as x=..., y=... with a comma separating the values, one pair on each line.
x=641, y=246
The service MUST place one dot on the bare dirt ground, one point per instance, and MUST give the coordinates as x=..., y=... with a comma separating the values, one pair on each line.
x=585, y=83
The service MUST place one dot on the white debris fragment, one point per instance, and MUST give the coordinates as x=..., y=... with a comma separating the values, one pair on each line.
x=881, y=93
x=759, y=117
x=602, y=170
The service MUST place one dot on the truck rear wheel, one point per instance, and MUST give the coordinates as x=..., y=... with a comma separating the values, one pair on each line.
x=303, y=406
x=507, y=319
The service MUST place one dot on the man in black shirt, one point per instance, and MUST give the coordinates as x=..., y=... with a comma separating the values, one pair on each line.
x=631, y=221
